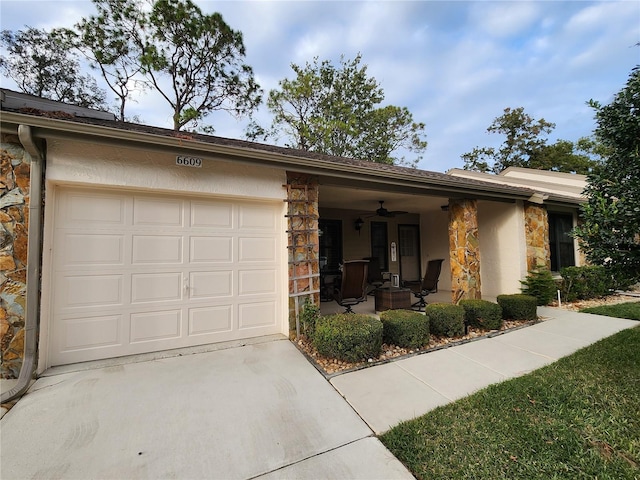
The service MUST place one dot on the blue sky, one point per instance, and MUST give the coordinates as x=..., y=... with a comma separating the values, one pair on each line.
x=456, y=65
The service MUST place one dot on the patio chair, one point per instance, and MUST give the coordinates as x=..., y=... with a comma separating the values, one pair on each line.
x=353, y=289
x=429, y=283
x=374, y=277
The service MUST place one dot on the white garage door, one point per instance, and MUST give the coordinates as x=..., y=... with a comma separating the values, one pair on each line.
x=138, y=273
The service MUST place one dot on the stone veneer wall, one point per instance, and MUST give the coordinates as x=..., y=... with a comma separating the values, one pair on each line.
x=536, y=224
x=15, y=169
x=303, y=243
x=464, y=249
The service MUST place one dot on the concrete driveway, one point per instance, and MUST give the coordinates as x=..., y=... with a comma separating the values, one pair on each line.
x=257, y=411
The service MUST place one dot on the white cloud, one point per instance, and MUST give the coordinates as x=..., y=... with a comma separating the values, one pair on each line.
x=503, y=19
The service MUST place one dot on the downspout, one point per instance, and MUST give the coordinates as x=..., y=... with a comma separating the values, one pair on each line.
x=33, y=266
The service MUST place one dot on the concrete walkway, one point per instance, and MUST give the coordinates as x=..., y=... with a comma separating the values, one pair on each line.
x=258, y=411
x=388, y=394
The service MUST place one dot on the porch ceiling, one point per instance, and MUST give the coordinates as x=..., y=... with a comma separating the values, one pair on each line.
x=366, y=200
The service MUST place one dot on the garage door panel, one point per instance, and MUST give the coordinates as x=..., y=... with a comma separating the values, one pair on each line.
x=156, y=287
x=256, y=217
x=211, y=285
x=219, y=215
x=257, y=249
x=136, y=273
x=210, y=320
x=156, y=249
x=93, y=250
x=211, y=249
x=90, y=332
x=256, y=314
x=91, y=291
x=157, y=212
x=257, y=282
x=150, y=326
x=82, y=208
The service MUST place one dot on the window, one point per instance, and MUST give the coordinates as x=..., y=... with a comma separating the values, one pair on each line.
x=379, y=243
x=331, y=244
x=560, y=241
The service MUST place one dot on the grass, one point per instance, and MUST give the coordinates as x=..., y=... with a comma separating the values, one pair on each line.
x=576, y=418
x=630, y=310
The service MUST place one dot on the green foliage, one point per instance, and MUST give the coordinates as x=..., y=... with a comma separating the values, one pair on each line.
x=335, y=110
x=518, y=306
x=349, y=337
x=630, y=310
x=482, y=314
x=582, y=283
x=540, y=284
x=309, y=316
x=525, y=146
x=445, y=320
x=610, y=228
x=405, y=328
x=44, y=64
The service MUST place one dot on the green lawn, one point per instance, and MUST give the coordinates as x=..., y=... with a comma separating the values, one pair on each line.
x=576, y=418
x=630, y=310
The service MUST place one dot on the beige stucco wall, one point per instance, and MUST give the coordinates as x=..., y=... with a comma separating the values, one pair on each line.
x=434, y=235
x=358, y=245
x=502, y=247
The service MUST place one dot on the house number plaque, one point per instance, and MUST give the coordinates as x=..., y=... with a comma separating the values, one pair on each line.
x=188, y=161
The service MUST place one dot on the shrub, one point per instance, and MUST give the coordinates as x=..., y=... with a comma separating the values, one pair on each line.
x=445, y=320
x=347, y=336
x=518, y=306
x=583, y=283
x=405, y=328
x=308, y=317
x=482, y=314
x=540, y=284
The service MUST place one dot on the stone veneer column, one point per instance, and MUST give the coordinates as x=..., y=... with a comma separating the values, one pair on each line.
x=536, y=224
x=15, y=167
x=303, y=243
x=464, y=249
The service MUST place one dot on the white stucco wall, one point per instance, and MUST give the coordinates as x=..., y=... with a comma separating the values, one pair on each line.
x=502, y=247
x=91, y=164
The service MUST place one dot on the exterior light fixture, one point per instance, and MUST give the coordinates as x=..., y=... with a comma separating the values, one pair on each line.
x=358, y=224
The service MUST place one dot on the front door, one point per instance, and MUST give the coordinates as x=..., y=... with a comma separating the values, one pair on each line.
x=409, y=239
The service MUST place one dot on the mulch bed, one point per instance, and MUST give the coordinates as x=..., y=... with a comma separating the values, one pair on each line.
x=330, y=366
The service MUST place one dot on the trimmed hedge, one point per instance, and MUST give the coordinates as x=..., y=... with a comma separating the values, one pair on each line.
x=309, y=315
x=445, y=320
x=348, y=336
x=405, y=328
x=518, y=306
x=583, y=283
x=482, y=314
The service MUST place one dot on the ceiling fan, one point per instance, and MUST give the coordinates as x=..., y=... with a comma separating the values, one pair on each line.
x=383, y=212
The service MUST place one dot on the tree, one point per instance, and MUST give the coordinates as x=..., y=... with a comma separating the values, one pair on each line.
x=524, y=136
x=610, y=229
x=43, y=64
x=525, y=145
x=336, y=111
x=201, y=55
x=106, y=39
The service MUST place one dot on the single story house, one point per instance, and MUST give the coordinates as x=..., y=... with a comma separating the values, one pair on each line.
x=118, y=238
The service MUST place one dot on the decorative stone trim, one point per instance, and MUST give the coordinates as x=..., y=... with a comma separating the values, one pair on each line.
x=464, y=249
x=303, y=244
x=15, y=168
x=536, y=223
